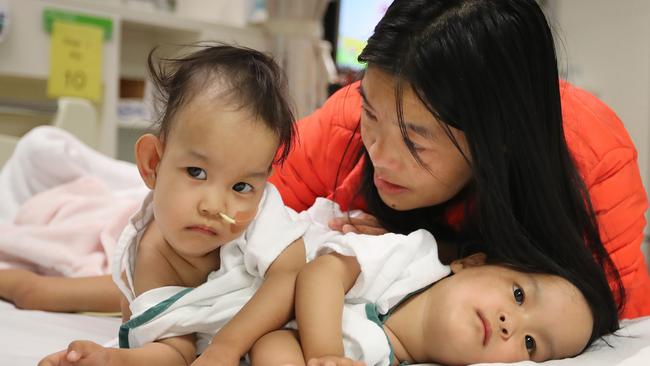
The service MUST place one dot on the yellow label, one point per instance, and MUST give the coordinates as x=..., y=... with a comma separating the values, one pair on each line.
x=75, y=61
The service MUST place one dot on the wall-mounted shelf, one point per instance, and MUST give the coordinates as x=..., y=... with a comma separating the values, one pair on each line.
x=24, y=53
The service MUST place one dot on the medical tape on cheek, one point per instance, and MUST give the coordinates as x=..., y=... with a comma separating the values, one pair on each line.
x=245, y=217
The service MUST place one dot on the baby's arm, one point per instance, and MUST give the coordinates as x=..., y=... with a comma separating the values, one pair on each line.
x=320, y=293
x=28, y=290
x=282, y=348
x=268, y=309
x=172, y=351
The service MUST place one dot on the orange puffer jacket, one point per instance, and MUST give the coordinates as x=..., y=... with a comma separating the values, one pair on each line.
x=601, y=147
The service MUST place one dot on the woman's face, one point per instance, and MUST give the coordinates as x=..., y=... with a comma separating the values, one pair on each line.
x=402, y=182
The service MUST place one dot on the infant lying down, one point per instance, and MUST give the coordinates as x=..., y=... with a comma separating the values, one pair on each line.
x=386, y=300
x=402, y=306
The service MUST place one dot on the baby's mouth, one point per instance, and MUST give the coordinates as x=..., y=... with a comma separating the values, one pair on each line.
x=487, y=330
x=207, y=230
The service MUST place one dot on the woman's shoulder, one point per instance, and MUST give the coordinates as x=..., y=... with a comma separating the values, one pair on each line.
x=343, y=108
x=592, y=130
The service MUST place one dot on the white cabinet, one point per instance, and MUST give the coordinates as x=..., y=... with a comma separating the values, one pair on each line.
x=24, y=52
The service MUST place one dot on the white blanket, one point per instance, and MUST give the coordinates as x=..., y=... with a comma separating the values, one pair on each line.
x=70, y=230
x=47, y=157
x=63, y=205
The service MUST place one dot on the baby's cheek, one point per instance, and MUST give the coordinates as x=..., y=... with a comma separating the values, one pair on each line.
x=242, y=220
x=244, y=217
x=238, y=228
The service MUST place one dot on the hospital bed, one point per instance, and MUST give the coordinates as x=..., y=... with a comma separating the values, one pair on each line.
x=27, y=336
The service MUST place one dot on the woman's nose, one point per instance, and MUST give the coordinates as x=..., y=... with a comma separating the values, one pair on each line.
x=382, y=154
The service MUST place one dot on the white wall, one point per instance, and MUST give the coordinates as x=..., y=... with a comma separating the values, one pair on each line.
x=605, y=48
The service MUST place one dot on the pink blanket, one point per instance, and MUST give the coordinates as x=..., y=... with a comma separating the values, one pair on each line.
x=70, y=230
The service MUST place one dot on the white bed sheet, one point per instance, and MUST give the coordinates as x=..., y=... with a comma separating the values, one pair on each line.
x=27, y=336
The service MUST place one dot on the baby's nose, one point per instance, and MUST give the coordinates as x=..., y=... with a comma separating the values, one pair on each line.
x=210, y=206
x=505, y=326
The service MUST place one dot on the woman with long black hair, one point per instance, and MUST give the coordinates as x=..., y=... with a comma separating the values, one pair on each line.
x=461, y=125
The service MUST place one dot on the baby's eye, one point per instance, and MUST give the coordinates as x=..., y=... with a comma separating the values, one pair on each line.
x=197, y=173
x=519, y=294
x=530, y=344
x=242, y=187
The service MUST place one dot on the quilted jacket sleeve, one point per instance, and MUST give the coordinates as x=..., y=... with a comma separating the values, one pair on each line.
x=310, y=171
x=620, y=203
x=607, y=160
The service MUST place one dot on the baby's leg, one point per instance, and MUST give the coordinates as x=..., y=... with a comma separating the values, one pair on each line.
x=28, y=290
x=278, y=348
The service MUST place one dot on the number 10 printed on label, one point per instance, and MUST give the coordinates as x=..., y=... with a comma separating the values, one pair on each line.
x=75, y=61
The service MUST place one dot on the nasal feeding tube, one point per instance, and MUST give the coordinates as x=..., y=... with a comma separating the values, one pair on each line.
x=241, y=217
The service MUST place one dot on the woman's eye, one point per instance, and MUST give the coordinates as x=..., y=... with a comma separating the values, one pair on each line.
x=242, y=187
x=530, y=344
x=519, y=294
x=369, y=114
x=197, y=173
x=415, y=146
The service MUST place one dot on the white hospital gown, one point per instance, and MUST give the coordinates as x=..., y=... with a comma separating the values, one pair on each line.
x=393, y=266
x=173, y=310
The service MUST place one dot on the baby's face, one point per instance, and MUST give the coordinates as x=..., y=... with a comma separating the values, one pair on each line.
x=495, y=314
x=216, y=160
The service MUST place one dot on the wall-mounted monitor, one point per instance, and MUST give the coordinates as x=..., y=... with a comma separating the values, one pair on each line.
x=356, y=22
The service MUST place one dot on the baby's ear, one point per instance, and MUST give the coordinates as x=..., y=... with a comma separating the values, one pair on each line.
x=474, y=260
x=148, y=153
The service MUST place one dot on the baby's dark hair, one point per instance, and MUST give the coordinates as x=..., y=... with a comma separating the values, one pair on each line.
x=249, y=78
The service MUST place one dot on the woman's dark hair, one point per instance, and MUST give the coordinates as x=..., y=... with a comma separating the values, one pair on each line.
x=488, y=68
x=251, y=79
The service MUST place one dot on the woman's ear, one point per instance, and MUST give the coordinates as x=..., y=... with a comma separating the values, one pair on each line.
x=474, y=260
x=148, y=153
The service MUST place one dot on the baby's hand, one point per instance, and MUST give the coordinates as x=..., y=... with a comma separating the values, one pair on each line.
x=55, y=359
x=333, y=361
x=361, y=224
x=217, y=356
x=79, y=353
